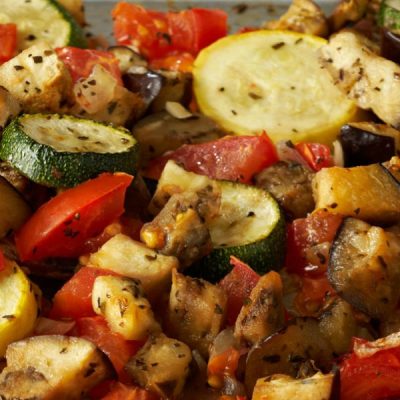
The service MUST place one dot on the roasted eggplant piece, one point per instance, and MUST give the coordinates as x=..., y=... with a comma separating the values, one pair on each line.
x=176, y=86
x=161, y=366
x=368, y=192
x=290, y=184
x=180, y=228
x=263, y=313
x=316, y=387
x=52, y=367
x=338, y=325
x=364, y=267
x=162, y=132
x=14, y=210
x=390, y=45
x=147, y=84
x=196, y=311
x=367, y=143
x=287, y=351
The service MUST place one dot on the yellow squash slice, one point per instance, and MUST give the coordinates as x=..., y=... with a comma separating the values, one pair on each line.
x=272, y=81
x=18, y=306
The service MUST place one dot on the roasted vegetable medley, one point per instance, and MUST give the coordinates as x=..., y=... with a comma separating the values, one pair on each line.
x=187, y=213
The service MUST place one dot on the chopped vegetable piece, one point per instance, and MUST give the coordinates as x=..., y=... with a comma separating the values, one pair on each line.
x=238, y=284
x=118, y=350
x=8, y=41
x=61, y=226
x=232, y=158
x=317, y=155
x=74, y=299
x=255, y=82
x=158, y=34
x=80, y=62
x=376, y=377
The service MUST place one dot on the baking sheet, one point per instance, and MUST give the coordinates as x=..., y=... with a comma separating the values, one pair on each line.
x=248, y=13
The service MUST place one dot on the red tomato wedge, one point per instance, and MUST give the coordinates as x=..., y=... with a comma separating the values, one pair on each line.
x=302, y=233
x=120, y=391
x=80, y=62
x=235, y=158
x=8, y=41
x=238, y=285
x=60, y=227
x=371, y=378
x=158, y=34
x=317, y=155
x=118, y=350
x=74, y=299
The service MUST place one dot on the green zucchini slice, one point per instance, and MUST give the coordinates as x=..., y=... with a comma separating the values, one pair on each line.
x=62, y=151
x=42, y=20
x=389, y=15
x=249, y=225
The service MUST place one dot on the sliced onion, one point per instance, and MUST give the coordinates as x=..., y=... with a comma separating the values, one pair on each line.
x=96, y=91
x=338, y=157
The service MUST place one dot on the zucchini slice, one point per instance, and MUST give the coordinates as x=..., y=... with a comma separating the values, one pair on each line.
x=14, y=210
x=249, y=225
x=270, y=81
x=62, y=151
x=42, y=20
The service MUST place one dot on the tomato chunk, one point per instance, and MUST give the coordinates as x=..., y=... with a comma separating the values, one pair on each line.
x=317, y=155
x=303, y=233
x=80, y=62
x=60, y=227
x=238, y=285
x=158, y=34
x=8, y=41
x=371, y=378
x=74, y=299
x=118, y=350
x=235, y=158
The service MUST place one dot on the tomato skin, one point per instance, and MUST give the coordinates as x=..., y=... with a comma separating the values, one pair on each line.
x=302, y=233
x=371, y=378
x=120, y=391
x=8, y=42
x=118, y=350
x=158, y=34
x=74, y=299
x=80, y=62
x=238, y=284
x=235, y=158
x=317, y=155
x=60, y=227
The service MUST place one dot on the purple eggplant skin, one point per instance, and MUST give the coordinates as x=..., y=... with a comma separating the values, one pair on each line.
x=390, y=45
x=147, y=85
x=363, y=145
